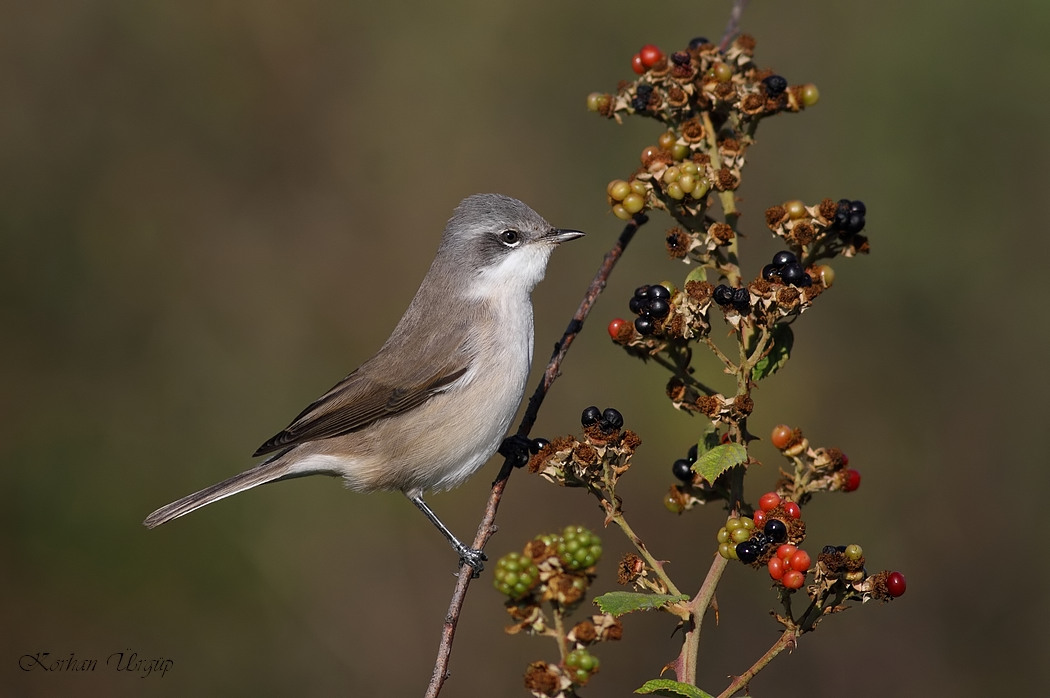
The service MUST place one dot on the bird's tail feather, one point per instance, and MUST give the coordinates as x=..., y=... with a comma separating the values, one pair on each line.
x=276, y=468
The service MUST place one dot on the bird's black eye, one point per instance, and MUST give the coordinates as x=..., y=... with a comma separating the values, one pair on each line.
x=510, y=238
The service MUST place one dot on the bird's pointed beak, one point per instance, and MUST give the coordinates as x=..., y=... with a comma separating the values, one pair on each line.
x=560, y=235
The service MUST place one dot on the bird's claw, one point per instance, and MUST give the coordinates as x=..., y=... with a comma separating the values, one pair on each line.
x=473, y=557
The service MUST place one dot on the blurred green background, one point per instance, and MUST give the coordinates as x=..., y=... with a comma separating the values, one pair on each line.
x=210, y=212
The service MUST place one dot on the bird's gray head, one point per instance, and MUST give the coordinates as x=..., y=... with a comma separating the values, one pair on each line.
x=501, y=241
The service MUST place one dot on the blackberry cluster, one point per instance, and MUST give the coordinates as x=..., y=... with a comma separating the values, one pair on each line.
x=849, y=217
x=773, y=533
x=578, y=548
x=650, y=303
x=682, y=468
x=640, y=101
x=738, y=298
x=775, y=85
x=608, y=420
x=516, y=575
x=786, y=267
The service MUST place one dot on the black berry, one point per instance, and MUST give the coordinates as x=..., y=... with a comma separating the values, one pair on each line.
x=639, y=103
x=776, y=531
x=770, y=272
x=697, y=42
x=536, y=445
x=783, y=258
x=723, y=295
x=775, y=85
x=637, y=305
x=857, y=206
x=680, y=58
x=612, y=417
x=644, y=326
x=829, y=550
x=659, y=291
x=741, y=299
x=658, y=307
x=692, y=454
x=590, y=416
x=682, y=470
x=644, y=90
x=793, y=273
x=748, y=551
x=642, y=292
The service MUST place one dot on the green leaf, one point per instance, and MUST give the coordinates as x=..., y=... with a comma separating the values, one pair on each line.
x=719, y=459
x=783, y=339
x=667, y=687
x=621, y=602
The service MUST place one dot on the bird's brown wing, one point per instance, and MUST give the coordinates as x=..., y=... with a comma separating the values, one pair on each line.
x=359, y=400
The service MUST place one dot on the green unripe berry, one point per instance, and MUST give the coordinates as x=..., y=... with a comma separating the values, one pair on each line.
x=810, y=95
x=679, y=151
x=579, y=548
x=597, y=100
x=739, y=535
x=670, y=174
x=689, y=168
x=516, y=575
x=795, y=209
x=666, y=140
x=672, y=504
x=674, y=190
x=702, y=187
x=687, y=183
x=721, y=72
x=827, y=275
x=620, y=212
x=633, y=203
x=618, y=189
x=747, y=522
x=639, y=187
x=854, y=552
x=723, y=550
x=723, y=536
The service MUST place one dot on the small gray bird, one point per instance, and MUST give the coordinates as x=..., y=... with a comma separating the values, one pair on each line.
x=436, y=400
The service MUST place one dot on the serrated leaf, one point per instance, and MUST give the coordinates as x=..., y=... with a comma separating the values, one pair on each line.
x=719, y=459
x=783, y=340
x=667, y=687
x=620, y=602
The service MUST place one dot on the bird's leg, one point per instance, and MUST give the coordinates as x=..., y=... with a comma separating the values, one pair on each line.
x=467, y=555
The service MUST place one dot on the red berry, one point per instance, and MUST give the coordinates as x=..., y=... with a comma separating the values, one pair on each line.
x=845, y=460
x=800, y=561
x=785, y=551
x=792, y=510
x=614, y=327
x=896, y=584
x=637, y=65
x=776, y=567
x=759, y=517
x=793, y=579
x=650, y=55
x=781, y=436
x=768, y=501
x=852, y=480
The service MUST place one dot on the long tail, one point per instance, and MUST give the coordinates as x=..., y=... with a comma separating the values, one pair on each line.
x=276, y=468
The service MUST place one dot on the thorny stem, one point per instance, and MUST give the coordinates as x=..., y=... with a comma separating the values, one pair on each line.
x=486, y=529
x=787, y=641
x=685, y=667
x=657, y=566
